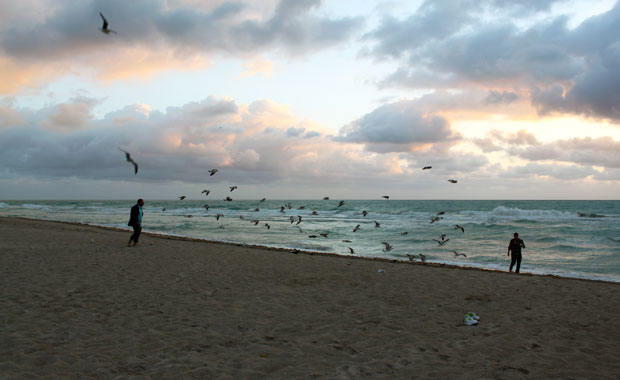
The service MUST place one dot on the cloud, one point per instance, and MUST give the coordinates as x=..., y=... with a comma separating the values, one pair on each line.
x=556, y=67
x=602, y=151
x=496, y=97
x=10, y=117
x=586, y=151
x=563, y=172
x=251, y=144
x=71, y=116
x=154, y=36
x=397, y=127
x=257, y=66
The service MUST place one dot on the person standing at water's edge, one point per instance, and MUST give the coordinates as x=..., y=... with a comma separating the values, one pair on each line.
x=135, y=221
x=515, y=246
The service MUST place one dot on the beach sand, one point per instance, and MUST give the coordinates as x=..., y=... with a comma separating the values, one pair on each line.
x=175, y=308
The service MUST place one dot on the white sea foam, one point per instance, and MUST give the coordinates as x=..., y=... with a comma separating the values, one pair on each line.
x=517, y=213
x=32, y=206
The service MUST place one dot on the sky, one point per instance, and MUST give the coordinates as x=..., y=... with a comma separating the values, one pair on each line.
x=301, y=99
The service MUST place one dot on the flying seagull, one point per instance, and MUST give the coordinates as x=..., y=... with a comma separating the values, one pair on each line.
x=385, y=196
x=262, y=200
x=255, y=221
x=341, y=203
x=377, y=224
x=218, y=216
x=298, y=219
x=182, y=197
x=205, y=192
x=325, y=198
x=206, y=207
x=356, y=228
x=346, y=241
x=212, y=171
x=129, y=159
x=228, y=199
x=456, y=254
x=441, y=242
x=351, y=250
x=267, y=225
x=364, y=213
x=232, y=188
x=104, y=28
x=452, y=181
x=427, y=167
x=435, y=219
x=457, y=227
x=388, y=247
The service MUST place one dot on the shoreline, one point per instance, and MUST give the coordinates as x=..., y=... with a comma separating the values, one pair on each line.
x=330, y=254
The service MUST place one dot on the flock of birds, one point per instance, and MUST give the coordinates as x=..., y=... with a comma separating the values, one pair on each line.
x=387, y=246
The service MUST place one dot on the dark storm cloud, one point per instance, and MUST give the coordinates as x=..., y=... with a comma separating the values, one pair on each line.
x=397, y=127
x=568, y=70
x=72, y=29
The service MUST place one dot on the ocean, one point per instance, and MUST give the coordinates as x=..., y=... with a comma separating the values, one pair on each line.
x=564, y=238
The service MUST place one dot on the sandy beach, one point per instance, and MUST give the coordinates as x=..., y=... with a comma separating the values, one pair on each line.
x=77, y=303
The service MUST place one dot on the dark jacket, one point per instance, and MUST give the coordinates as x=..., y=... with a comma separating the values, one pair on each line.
x=133, y=218
x=516, y=247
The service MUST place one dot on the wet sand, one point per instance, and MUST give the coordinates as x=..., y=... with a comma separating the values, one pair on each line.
x=180, y=308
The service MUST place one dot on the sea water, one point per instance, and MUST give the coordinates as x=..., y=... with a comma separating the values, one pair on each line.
x=565, y=238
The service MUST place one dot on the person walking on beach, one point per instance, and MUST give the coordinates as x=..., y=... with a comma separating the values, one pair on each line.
x=515, y=246
x=135, y=221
